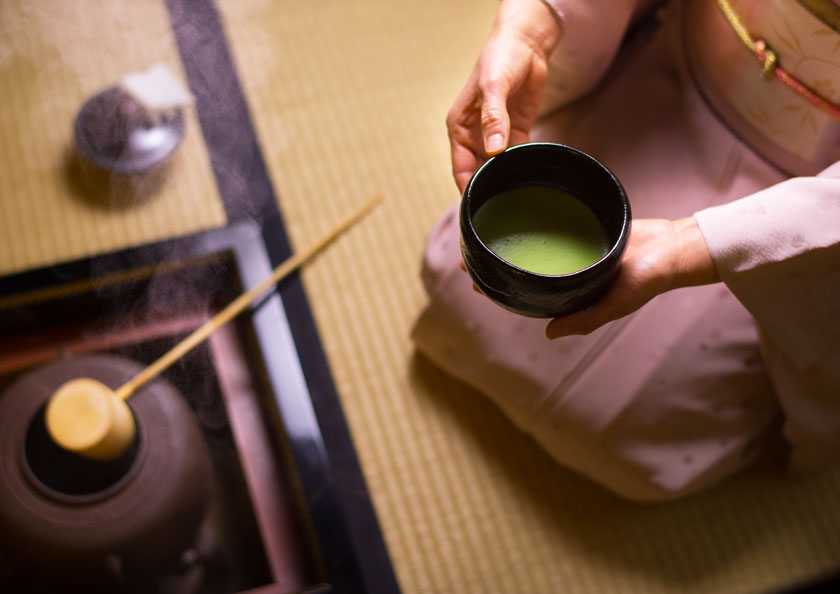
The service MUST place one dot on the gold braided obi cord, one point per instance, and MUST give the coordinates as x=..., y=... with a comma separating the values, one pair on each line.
x=771, y=69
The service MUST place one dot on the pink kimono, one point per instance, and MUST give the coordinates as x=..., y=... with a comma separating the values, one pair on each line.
x=693, y=386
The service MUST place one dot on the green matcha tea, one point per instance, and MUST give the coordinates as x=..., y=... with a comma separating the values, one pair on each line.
x=541, y=229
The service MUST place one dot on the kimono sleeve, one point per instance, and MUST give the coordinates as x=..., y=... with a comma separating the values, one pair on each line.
x=592, y=34
x=778, y=251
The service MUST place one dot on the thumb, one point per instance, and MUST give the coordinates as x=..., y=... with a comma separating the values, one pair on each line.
x=495, y=121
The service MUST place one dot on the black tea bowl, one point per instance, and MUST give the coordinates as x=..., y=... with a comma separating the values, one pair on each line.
x=564, y=168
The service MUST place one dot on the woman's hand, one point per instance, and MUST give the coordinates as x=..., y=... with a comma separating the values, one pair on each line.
x=661, y=255
x=498, y=105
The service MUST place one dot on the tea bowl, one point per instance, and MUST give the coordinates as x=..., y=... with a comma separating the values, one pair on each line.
x=572, y=172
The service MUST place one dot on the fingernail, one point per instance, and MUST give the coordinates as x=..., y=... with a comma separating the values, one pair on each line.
x=494, y=143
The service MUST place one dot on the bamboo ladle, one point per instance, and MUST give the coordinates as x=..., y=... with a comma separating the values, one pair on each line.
x=87, y=417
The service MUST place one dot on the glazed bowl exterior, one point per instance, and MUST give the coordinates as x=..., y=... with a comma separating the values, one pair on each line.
x=557, y=166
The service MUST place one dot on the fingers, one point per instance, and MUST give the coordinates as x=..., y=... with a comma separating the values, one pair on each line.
x=463, y=124
x=478, y=122
x=630, y=291
x=582, y=322
x=464, y=163
x=617, y=303
x=495, y=121
x=479, y=127
x=474, y=286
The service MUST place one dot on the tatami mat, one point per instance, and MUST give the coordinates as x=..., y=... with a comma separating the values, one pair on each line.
x=53, y=56
x=349, y=100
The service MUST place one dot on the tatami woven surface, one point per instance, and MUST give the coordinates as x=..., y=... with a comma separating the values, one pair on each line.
x=349, y=100
x=53, y=56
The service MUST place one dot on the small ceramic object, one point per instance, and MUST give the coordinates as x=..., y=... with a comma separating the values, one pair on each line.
x=124, y=150
x=566, y=169
x=115, y=132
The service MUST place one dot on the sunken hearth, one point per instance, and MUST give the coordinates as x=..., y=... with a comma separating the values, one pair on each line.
x=244, y=499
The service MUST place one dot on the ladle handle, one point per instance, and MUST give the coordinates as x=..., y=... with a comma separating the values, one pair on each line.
x=238, y=304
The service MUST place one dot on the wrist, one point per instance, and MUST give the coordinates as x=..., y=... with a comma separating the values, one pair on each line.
x=693, y=261
x=533, y=21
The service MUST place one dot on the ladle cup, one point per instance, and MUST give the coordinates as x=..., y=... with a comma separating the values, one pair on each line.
x=90, y=419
